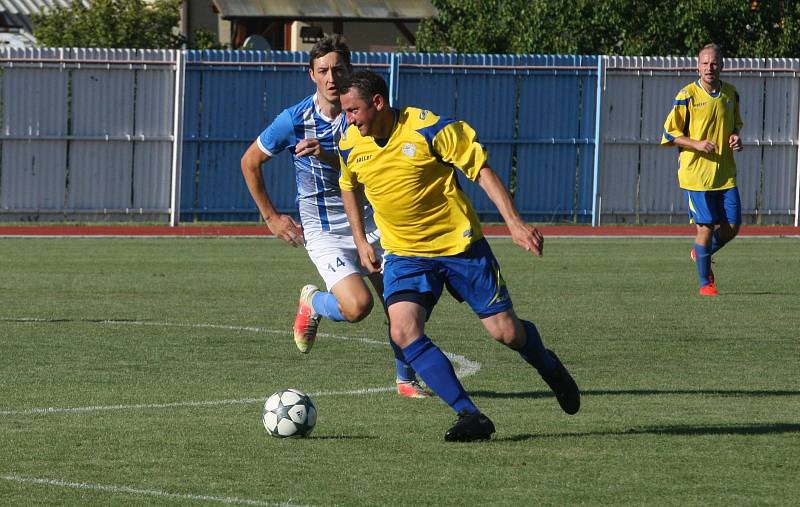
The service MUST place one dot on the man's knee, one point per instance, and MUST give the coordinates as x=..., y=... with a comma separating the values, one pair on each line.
x=355, y=299
x=506, y=328
x=704, y=234
x=402, y=335
x=356, y=308
x=406, y=322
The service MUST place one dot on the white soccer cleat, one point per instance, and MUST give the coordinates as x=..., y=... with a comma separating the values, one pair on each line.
x=306, y=321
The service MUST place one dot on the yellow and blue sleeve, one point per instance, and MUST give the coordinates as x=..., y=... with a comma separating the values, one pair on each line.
x=677, y=123
x=456, y=142
x=347, y=180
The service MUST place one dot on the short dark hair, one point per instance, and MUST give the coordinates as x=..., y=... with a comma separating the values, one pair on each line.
x=367, y=83
x=331, y=44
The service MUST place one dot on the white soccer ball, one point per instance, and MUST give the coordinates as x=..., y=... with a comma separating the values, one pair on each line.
x=289, y=413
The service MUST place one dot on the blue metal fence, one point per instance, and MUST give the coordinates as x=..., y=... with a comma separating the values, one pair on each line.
x=535, y=115
x=556, y=142
x=149, y=134
x=229, y=98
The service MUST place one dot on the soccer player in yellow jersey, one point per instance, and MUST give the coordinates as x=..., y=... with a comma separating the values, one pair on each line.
x=704, y=123
x=405, y=160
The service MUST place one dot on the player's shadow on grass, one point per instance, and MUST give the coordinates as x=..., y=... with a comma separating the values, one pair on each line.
x=756, y=293
x=341, y=437
x=683, y=430
x=640, y=392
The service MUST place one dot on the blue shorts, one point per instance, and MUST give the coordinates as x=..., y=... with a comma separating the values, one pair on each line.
x=715, y=206
x=473, y=276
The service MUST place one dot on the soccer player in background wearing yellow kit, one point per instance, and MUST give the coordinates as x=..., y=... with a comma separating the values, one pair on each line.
x=405, y=160
x=704, y=123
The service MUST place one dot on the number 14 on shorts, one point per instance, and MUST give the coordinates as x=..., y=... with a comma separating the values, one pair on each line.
x=339, y=264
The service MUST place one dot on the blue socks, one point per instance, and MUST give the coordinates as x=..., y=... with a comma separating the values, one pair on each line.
x=703, y=261
x=326, y=304
x=437, y=371
x=534, y=352
x=716, y=243
x=404, y=370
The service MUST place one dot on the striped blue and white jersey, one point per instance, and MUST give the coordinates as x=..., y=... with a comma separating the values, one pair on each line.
x=318, y=196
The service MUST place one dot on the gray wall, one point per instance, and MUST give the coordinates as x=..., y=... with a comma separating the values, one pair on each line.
x=638, y=177
x=86, y=134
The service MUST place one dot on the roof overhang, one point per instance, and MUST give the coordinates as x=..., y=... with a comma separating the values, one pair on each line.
x=327, y=10
x=28, y=7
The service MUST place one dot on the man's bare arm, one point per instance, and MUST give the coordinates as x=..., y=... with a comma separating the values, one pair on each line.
x=352, y=207
x=525, y=236
x=283, y=226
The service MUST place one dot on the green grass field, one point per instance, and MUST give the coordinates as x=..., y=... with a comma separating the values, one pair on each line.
x=133, y=371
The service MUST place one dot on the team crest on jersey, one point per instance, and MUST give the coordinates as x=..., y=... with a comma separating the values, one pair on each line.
x=424, y=114
x=409, y=150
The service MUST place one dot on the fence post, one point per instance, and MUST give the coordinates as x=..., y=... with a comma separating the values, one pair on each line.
x=598, y=138
x=797, y=176
x=177, y=139
x=394, y=78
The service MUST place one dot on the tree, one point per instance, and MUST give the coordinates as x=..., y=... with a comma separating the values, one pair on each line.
x=206, y=39
x=111, y=24
x=614, y=27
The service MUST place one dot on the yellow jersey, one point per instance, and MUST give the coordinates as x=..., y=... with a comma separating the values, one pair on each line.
x=702, y=116
x=411, y=182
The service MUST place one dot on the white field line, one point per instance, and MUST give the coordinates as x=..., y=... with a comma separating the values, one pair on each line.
x=142, y=492
x=464, y=367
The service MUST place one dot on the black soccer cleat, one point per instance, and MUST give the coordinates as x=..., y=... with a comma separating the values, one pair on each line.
x=564, y=387
x=470, y=427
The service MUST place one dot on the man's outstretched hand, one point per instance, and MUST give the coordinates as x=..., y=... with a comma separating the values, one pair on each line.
x=528, y=238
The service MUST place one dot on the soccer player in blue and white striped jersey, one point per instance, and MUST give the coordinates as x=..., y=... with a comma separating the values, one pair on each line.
x=310, y=130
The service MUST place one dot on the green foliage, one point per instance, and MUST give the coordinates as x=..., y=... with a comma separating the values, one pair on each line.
x=468, y=26
x=111, y=24
x=206, y=39
x=618, y=27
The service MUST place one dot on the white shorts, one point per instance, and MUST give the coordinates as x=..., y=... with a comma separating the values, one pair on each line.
x=336, y=255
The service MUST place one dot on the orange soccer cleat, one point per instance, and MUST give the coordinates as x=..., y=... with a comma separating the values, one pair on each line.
x=412, y=389
x=708, y=290
x=306, y=321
